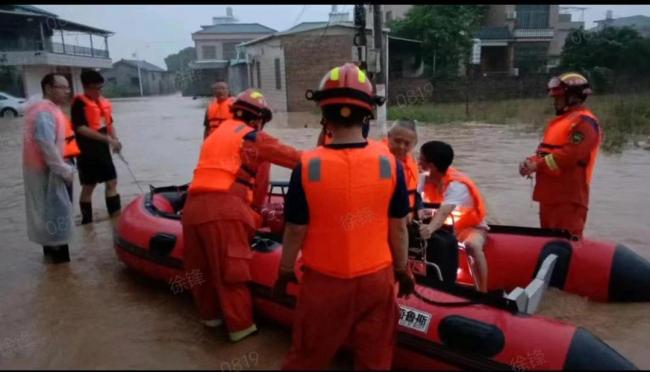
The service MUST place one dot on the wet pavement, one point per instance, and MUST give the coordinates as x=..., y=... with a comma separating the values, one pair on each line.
x=95, y=313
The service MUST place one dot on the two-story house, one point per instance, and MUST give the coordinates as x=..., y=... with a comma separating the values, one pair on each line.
x=37, y=42
x=514, y=39
x=216, y=50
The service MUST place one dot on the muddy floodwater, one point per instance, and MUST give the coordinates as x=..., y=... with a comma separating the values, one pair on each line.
x=94, y=313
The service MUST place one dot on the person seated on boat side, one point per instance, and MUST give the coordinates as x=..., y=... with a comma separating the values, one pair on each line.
x=459, y=197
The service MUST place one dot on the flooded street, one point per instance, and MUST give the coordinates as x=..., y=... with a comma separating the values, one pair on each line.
x=94, y=313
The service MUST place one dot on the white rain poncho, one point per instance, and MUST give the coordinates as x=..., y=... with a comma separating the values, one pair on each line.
x=46, y=174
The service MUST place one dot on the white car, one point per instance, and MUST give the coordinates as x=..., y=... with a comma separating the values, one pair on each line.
x=11, y=106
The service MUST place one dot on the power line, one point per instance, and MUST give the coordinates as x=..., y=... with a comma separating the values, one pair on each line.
x=295, y=23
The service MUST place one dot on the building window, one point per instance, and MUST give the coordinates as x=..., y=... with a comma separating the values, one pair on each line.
x=259, y=75
x=533, y=16
x=135, y=81
x=278, y=74
x=389, y=16
x=531, y=57
x=230, y=50
x=209, y=51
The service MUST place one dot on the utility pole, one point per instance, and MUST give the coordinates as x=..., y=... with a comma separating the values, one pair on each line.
x=360, y=36
x=380, y=81
x=135, y=55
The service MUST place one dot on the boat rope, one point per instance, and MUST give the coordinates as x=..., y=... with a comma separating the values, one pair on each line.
x=429, y=301
x=119, y=154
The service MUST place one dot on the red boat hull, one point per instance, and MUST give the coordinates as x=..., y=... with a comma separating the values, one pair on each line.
x=456, y=329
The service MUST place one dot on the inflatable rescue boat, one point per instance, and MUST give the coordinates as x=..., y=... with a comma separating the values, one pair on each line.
x=440, y=327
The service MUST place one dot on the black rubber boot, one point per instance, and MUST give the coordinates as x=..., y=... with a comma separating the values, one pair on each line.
x=47, y=250
x=60, y=254
x=113, y=205
x=86, y=212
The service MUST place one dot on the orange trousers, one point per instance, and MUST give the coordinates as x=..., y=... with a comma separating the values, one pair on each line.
x=568, y=216
x=331, y=312
x=220, y=250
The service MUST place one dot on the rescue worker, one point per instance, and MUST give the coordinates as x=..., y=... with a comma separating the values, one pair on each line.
x=345, y=209
x=92, y=119
x=566, y=157
x=220, y=216
x=219, y=108
x=459, y=197
x=47, y=177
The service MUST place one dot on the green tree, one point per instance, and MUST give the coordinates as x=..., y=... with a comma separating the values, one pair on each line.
x=178, y=62
x=617, y=49
x=446, y=32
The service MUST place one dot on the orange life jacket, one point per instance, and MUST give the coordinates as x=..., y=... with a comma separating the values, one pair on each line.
x=96, y=111
x=32, y=155
x=569, y=184
x=348, y=192
x=218, y=112
x=71, y=149
x=462, y=218
x=220, y=161
x=411, y=173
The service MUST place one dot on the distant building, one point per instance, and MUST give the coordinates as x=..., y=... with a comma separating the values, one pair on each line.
x=638, y=22
x=216, y=50
x=514, y=39
x=285, y=64
x=123, y=79
x=37, y=42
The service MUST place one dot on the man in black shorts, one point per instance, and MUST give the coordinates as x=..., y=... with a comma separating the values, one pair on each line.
x=92, y=120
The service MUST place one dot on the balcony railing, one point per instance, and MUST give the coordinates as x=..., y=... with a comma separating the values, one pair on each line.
x=52, y=47
x=533, y=33
x=77, y=50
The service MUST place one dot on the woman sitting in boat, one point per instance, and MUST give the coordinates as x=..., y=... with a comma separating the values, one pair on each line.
x=402, y=138
x=460, y=199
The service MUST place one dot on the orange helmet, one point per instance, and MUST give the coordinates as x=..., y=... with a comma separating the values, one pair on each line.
x=345, y=84
x=570, y=83
x=253, y=102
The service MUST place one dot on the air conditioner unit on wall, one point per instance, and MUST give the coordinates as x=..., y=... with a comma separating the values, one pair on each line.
x=511, y=14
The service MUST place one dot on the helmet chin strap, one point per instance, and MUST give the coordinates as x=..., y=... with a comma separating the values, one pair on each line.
x=365, y=127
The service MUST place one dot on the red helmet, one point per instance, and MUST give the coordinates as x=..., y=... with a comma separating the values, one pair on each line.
x=252, y=101
x=569, y=83
x=345, y=84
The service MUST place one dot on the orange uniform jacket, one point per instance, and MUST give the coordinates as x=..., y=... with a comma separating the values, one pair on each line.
x=236, y=162
x=566, y=158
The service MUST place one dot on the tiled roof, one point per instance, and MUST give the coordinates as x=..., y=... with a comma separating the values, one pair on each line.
x=236, y=28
